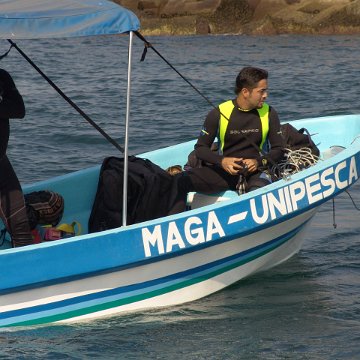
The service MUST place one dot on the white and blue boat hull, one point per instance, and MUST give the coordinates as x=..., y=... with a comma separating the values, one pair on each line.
x=171, y=260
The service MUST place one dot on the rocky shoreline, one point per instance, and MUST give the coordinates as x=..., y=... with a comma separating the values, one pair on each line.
x=252, y=17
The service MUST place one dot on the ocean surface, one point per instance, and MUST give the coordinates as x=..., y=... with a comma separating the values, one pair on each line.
x=306, y=308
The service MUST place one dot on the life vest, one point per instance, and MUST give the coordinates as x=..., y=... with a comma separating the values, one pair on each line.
x=227, y=108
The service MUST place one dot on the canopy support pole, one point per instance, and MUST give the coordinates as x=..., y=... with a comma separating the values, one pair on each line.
x=126, y=146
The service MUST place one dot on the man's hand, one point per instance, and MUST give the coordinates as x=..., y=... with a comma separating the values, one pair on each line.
x=234, y=165
x=252, y=165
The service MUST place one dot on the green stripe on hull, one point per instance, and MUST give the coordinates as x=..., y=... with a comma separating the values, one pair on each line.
x=144, y=296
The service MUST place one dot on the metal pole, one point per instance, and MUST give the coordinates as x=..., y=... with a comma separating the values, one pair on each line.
x=126, y=167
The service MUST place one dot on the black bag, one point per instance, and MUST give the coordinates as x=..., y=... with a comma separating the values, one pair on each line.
x=296, y=139
x=44, y=208
x=194, y=162
x=150, y=193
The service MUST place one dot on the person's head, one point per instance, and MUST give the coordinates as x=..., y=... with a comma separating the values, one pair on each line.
x=175, y=169
x=251, y=87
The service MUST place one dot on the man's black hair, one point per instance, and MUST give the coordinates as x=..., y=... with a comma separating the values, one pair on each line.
x=248, y=78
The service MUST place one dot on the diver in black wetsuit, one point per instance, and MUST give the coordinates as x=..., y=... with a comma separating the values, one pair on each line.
x=12, y=205
x=243, y=126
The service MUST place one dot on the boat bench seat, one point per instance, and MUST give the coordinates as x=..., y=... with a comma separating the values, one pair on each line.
x=196, y=200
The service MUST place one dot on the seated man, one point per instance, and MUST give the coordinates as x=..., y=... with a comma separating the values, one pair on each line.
x=243, y=126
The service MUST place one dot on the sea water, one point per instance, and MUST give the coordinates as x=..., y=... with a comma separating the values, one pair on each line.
x=306, y=308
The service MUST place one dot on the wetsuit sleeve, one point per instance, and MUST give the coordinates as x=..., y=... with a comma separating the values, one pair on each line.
x=276, y=152
x=11, y=102
x=206, y=138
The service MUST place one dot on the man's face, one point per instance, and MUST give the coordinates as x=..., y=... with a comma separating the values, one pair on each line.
x=256, y=96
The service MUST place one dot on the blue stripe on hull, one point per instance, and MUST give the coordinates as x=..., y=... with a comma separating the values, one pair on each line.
x=155, y=287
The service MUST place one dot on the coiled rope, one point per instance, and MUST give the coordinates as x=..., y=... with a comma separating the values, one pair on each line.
x=294, y=161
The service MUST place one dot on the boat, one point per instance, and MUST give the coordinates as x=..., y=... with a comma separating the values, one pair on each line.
x=219, y=240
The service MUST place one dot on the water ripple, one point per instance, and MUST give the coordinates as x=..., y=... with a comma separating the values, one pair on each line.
x=308, y=307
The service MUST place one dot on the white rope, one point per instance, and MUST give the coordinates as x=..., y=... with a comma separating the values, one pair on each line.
x=295, y=161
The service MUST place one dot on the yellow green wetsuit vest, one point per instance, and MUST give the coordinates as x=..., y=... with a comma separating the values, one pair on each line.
x=226, y=109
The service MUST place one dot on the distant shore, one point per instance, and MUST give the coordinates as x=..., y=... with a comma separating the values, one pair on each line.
x=252, y=17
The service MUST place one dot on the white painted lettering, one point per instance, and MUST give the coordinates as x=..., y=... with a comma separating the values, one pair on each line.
x=312, y=188
x=213, y=226
x=296, y=195
x=288, y=199
x=153, y=239
x=196, y=235
x=279, y=204
x=260, y=219
x=327, y=181
x=340, y=184
x=174, y=238
x=353, y=172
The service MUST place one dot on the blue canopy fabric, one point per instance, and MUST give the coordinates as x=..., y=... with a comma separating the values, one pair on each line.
x=42, y=19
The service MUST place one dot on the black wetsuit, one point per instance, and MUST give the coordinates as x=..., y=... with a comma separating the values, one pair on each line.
x=213, y=178
x=241, y=123
x=12, y=206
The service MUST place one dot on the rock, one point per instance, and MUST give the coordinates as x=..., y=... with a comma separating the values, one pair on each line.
x=266, y=8
x=185, y=25
x=202, y=27
x=258, y=17
x=186, y=7
x=319, y=16
x=263, y=27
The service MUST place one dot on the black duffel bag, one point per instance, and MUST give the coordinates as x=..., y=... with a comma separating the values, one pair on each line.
x=297, y=139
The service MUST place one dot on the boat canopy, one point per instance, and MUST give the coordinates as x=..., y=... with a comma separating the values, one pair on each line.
x=42, y=19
